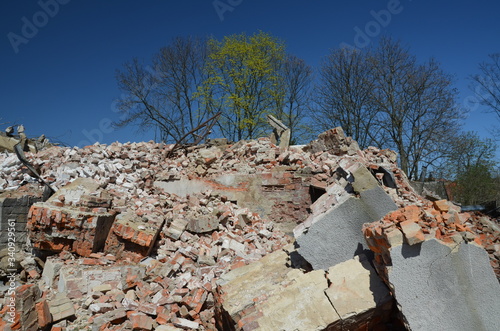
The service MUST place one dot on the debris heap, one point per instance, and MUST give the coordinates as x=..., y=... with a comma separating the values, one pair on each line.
x=243, y=236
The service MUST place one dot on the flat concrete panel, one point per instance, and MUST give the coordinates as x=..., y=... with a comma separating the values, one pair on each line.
x=377, y=202
x=336, y=237
x=438, y=289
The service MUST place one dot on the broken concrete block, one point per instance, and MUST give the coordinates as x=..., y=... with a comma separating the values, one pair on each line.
x=312, y=312
x=176, y=228
x=377, y=202
x=61, y=307
x=335, y=236
x=441, y=288
x=51, y=270
x=269, y=295
x=202, y=223
x=356, y=290
x=412, y=231
x=238, y=288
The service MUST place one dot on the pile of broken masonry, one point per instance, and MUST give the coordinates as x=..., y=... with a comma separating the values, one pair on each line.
x=243, y=236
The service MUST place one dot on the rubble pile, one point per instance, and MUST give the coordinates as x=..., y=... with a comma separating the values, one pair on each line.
x=139, y=236
x=432, y=259
x=441, y=220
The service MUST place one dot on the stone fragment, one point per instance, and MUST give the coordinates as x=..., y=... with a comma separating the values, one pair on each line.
x=141, y=322
x=202, y=223
x=185, y=324
x=394, y=237
x=101, y=307
x=102, y=288
x=61, y=307
x=356, y=290
x=441, y=205
x=51, y=271
x=176, y=228
x=412, y=231
x=313, y=312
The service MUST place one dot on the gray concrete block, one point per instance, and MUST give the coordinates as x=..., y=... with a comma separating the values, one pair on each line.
x=438, y=288
x=336, y=237
x=377, y=202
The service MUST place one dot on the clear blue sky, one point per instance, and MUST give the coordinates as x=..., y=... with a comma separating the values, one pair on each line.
x=59, y=79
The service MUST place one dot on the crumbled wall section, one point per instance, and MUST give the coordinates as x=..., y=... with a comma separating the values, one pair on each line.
x=280, y=195
x=15, y=206
x=77, y=219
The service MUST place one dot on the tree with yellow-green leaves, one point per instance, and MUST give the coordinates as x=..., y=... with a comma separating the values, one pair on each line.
x=244, y=83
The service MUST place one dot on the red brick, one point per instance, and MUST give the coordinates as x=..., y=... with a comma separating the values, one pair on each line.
x=44, y=317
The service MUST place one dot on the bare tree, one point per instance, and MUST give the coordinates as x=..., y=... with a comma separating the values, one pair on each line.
x=297, y=84
x=163, y=97
x=343, y=95
x=486, y=85
x=382, y=96
x=416, y=104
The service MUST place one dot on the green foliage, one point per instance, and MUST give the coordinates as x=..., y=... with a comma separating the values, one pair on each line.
x=243, y=82
x=471, y=165
x=475, y=185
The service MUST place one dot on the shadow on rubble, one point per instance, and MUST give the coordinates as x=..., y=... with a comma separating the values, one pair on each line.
x=360, y=250
x=409, y=251
x=392, y=318
x=297, y=261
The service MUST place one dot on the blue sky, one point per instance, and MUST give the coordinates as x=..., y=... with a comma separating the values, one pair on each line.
x=59, y=78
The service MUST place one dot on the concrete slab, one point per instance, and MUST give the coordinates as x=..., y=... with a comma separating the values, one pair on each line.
x=336, y=236
x=355, y=288
x=438, y=288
